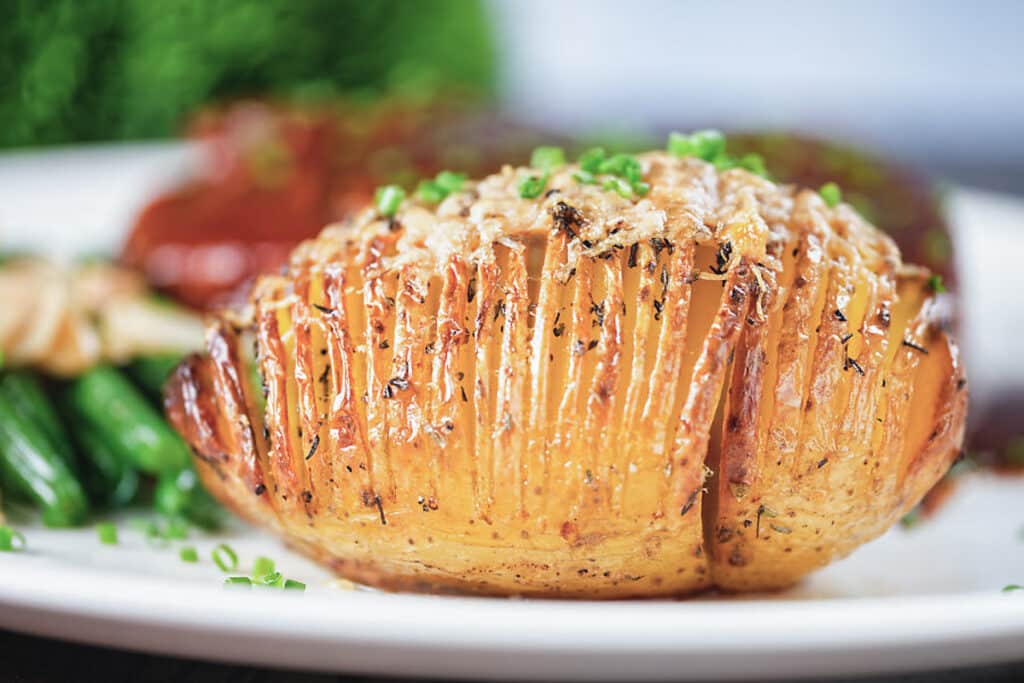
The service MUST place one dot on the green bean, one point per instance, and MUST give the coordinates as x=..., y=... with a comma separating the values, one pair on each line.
x=32, y=467
x=151, y=372
x=29, y=399
x=108, y=478
x=111, y=405
x=181, y=495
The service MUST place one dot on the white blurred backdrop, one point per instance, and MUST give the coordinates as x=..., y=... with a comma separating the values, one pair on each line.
x=939, y=84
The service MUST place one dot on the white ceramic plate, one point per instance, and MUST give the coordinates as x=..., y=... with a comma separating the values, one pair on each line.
x=914, y=599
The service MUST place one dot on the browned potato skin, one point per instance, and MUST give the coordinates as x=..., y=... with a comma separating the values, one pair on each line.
x=568, y=410
x=785, y=505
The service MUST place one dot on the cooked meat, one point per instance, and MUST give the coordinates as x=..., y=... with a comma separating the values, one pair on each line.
x=63, y=319
x=723, y=382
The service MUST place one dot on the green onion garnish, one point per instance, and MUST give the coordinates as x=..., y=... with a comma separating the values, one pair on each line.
x=261, y=567
x=584, y=178
x=621, y=187
x=832, y=195
x=641, y=188
x=430, y=192
x=624, y=166
x=708, y=145
x=679, y=145
x=531, y=186
x=443, y=184
x=547, y=158
x=753, y=163
x=590, y=161
x=1012, y=587
x=225, y=558
x=272, y=580
x=188, y=554
x=11, y=540
x=293, y=585
x=450, y=181
x=238, y=582
x=107, y=533
x=388, y=198
x=936, y=285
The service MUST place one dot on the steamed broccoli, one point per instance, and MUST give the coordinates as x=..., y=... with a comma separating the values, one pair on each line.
x=118, y=69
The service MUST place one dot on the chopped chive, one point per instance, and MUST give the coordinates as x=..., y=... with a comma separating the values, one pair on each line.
x=832, y=195
x=388, y=198
x=590, y=160
x=1012, y=587
x=261, y=567
x=530, y=187
x=547, y=159
x=430, y=192
x=293, y=585
x=621, y=187
x=724, y=162
x=443, y=184
x=11, y=540
x=225, y=558
x=584, y=178
x=272, y=580
x=188, y=554
x=754, y=163
x=107, y=533
x=624, y=166
x=708, y=145
x=936, y=285
x=450, y=181
x=679, y=145
x=641, y=188
x=238, y=582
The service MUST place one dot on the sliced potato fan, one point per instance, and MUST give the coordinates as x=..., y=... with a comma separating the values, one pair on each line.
x=723, y=382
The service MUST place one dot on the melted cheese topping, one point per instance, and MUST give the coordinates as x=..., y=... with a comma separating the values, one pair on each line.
x=688, y=199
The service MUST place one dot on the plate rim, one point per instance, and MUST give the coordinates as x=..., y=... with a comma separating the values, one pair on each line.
x=402, y=634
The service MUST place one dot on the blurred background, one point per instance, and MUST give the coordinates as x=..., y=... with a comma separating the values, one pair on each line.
x=243, y=126
x=936, y=84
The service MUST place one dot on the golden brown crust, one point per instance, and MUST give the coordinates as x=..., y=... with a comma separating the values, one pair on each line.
x=582, y=395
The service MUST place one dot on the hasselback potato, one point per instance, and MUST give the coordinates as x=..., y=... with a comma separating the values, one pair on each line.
x=709, y=380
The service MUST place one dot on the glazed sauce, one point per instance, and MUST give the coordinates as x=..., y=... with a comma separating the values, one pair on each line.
x=274, y=175
x=268, y=183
